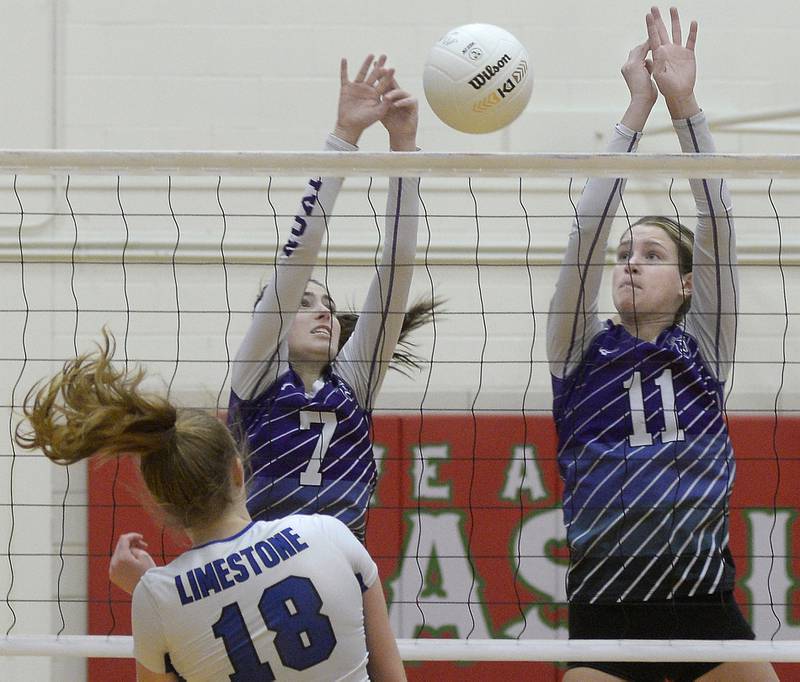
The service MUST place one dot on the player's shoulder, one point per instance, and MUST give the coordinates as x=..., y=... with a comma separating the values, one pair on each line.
x=338, y=378
x=202, y=553
x=595, y=349
x=320, y=523
x=286, y=385
x=320, y=528
x=681, y=340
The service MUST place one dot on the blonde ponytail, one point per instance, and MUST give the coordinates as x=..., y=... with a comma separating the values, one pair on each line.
x=90, y=409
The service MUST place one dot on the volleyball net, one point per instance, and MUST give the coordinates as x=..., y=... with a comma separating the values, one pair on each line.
x=170, y=250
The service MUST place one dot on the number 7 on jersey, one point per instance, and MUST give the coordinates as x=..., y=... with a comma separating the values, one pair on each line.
x=312, y=474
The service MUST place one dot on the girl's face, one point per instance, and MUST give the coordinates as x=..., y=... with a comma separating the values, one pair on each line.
x=314, y=334
x=647, y=281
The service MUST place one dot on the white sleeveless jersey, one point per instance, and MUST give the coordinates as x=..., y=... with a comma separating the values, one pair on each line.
x=279, y=600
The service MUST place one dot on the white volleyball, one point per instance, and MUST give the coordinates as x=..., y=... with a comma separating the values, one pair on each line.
x=478, y=78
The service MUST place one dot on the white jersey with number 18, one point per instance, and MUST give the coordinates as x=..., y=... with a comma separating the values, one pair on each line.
x=279, y=600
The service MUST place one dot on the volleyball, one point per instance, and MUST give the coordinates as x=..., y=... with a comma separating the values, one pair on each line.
x=478, y=78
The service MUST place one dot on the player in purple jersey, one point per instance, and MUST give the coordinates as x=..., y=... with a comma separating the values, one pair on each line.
x=644, y=451
x=294, y=598
x=301, y=398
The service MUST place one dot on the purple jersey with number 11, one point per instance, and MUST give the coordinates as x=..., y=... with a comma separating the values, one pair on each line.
x=643, y=445
x=648, y=468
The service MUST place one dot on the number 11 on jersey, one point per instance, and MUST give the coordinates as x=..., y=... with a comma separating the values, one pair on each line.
x=671, y=432
x=312, y=474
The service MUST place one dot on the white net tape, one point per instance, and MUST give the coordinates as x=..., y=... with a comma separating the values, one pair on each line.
x=427, y=164
x=87, y=646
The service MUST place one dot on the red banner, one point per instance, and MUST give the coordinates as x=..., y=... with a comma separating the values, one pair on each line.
x=466, y=529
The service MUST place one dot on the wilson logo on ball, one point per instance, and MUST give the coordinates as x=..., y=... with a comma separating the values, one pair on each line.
x=482, y=77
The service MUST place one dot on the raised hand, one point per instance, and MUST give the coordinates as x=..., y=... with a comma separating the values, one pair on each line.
x=361, y=100
x=636, y=71
x=129, y=562
x=401, y=118
x=674, y=65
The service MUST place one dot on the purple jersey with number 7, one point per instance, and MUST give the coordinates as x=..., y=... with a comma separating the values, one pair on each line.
x=310, y=446
x=309, y=454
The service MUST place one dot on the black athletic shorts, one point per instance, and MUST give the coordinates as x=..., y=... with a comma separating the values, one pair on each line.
x=711, y=616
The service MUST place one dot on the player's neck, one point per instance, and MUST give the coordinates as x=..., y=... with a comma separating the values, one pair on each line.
x=644, y=327
x=235, y=519
x=308, y=372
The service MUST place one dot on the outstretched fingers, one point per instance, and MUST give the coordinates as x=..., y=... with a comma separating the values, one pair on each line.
x=692, y=39
x=362, y=72
x=653, y=36
x=657, y=30
x=385, y=81
x=659, y=25
x=377, y=71
x=676, y=25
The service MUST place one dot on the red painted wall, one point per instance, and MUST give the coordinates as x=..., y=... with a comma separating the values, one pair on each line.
x=466, y=487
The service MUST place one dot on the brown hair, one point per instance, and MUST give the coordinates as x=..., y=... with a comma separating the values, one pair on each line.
x=420, y=313
x=91, y=409
x=683, y=238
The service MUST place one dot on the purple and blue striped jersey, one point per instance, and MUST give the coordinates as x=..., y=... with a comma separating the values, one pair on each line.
x=644, y=451
x=309, y=454
x=647, y=468
x=311, y=447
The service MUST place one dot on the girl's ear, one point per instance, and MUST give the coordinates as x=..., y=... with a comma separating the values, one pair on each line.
x=238, y=472
x=687, y=284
